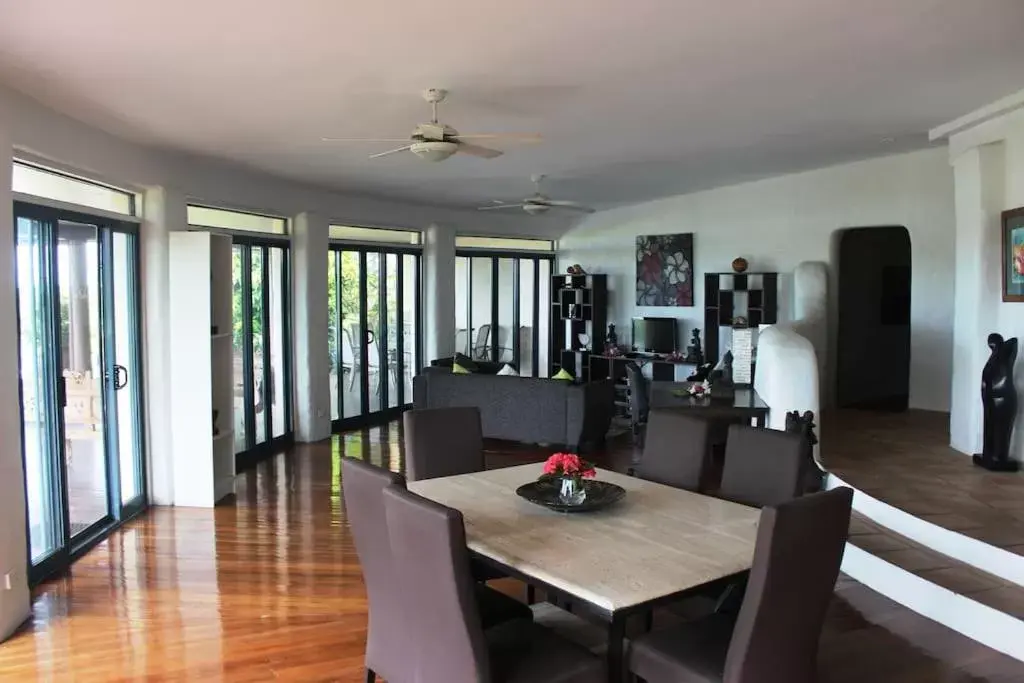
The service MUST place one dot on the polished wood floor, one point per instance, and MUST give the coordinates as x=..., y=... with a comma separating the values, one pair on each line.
x=905, y=460
x=268, y=588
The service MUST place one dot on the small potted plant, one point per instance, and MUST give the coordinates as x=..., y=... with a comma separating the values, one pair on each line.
x=570, y=470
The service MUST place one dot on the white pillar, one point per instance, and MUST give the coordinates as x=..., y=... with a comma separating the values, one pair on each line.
x=164, y=211
x=309, y=316
x=14, y=603
x=979, y=190
x=439, y=292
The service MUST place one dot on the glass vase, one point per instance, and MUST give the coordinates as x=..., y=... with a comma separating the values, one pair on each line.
x=572, y=491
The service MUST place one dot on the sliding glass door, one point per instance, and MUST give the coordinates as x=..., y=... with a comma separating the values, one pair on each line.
x=501, y=301
x=262, y=367
x=78, y=326
x=374, y=331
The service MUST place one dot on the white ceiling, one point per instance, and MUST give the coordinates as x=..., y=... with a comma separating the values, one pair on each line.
x=635, y=99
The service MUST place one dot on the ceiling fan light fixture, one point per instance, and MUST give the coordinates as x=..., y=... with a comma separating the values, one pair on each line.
x=434, y=150
x=535, y=209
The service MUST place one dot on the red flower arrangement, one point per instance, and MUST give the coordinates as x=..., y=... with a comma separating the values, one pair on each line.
x=566, y=465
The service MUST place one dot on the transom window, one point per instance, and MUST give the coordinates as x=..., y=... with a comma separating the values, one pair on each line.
x=224, y=219
x=43, y=182
x=503, y=243
x=352, y=233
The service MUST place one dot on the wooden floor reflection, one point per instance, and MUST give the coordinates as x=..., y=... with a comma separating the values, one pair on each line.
x=268, y=588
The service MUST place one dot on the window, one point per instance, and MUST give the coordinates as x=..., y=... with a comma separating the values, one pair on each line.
x=43, y=182
x=504, y=243
x=207, y=217
x=352, y=233
x=501, y=309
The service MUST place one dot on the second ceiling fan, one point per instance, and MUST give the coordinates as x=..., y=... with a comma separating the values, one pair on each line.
x=538, y=203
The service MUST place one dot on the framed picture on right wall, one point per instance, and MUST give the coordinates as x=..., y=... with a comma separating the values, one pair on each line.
x=1013, y=255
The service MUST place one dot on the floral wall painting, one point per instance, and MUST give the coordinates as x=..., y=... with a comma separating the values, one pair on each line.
x=664, y=270
x=1013, y=255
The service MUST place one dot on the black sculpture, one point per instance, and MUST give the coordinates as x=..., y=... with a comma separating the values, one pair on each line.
x=611, y=339
x=722, y=386
x=999, y=400
x=812, y=476
x=694, y=352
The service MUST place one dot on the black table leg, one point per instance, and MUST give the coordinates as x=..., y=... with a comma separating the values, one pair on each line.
x=760, y=420
x=616, y=641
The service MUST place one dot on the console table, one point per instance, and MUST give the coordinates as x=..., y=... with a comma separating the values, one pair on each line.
x=745, y=405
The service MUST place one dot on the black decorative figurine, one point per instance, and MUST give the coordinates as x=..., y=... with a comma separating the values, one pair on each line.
x=812, y=476
x=999, y=401
x=611, y=339
x=694, y=352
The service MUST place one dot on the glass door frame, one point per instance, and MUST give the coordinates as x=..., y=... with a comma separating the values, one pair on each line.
x=495, y=255
x=118, y=512
x=255, y=452
x=403, y=402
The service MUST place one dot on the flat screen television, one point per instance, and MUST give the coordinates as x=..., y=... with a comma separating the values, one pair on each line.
x=655, y=335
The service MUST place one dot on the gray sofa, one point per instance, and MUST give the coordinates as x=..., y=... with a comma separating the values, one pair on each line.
x=526, y=409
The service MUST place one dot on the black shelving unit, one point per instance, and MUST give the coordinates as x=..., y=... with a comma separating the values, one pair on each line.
x=722, y=293
x=579, y=305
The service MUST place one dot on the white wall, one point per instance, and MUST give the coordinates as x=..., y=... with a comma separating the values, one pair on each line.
x=779, y=222
x=988, y=161
x=14, y=603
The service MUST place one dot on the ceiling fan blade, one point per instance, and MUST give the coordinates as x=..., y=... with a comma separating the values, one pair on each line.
x=390, y=151
x=510, y=137
x=478, y=151
x=405, y=139
x=499, y=206
x=566, y=204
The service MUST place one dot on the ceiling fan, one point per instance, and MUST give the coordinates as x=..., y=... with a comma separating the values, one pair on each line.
x=538, y=203
x=436, y=141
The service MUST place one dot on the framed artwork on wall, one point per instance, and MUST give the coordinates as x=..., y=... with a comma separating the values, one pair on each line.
x=664, y=270
x=1013, y=255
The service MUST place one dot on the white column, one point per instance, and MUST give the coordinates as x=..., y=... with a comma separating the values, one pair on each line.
x=309, y=316
x=978, y=181
x=164, y=211
x=14, y=603
x=438, y=292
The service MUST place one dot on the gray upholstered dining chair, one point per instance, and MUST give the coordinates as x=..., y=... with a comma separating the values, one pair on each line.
x=428, y=542
x=442, y=442
x=639, y=400
x=775, y=638
x=762, y=466
x=363, y=485
x=675, y=450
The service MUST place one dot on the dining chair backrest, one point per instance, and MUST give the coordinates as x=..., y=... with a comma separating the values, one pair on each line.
x=363, y=487
x=796, y=562
x=762, y=466
x=428, y=543
x=442, y=442
x=675, y=449
x=639, y=393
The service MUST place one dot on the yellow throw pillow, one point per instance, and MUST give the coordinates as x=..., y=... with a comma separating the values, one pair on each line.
x=563, y=374
x=459, y=370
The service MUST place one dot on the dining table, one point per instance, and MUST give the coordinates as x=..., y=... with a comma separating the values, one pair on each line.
x=742, y=405
x=656, y=545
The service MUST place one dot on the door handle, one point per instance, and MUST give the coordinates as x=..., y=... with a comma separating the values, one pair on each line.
x=120, y=378
x=370, y=337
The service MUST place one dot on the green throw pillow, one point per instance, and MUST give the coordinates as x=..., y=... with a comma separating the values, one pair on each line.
x=459, y=370
x=563, y=374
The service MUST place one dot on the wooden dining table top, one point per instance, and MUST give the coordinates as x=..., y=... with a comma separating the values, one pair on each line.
x=657, y=541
